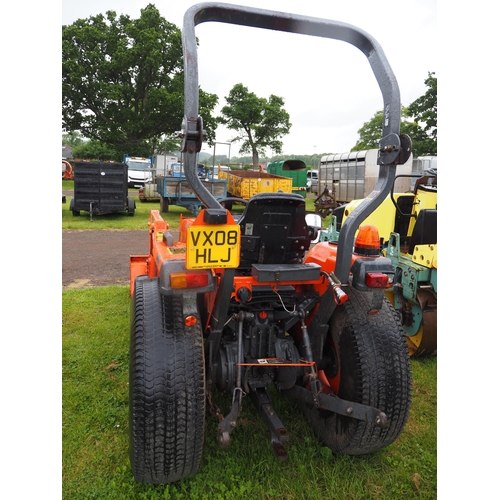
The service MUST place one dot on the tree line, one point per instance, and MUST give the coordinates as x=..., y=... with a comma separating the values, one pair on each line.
x=122, y=93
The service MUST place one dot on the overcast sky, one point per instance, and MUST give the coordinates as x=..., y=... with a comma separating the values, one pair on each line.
x=328, y=86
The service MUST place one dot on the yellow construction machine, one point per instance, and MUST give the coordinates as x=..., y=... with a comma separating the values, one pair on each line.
x=407, y=226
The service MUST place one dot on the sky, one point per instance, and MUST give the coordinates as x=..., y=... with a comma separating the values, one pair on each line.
x=327, y=85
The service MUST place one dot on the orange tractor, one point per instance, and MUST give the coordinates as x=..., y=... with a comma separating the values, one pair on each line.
x=243, y=303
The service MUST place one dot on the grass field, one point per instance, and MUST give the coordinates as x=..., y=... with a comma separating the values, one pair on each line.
x=95, y=430
x=95, y=336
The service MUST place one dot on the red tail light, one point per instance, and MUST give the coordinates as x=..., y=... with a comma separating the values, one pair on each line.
x=377, y=280
x=189, y=280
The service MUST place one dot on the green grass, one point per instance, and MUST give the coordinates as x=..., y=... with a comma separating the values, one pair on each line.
x=122, y=220
x=119, y=220
x=95, y=430
x=68, y=185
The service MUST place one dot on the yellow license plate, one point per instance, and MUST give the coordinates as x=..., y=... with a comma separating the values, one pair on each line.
x=213, y=246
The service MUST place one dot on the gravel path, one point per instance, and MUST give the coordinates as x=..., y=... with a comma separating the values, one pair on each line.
x=99, y=258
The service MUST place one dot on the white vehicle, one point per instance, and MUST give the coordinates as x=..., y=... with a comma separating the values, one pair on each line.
x=163, y=166
x=140, y=170
x=213, y=173
x=312, y=181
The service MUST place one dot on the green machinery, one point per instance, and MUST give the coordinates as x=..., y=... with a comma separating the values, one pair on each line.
x=407, y=226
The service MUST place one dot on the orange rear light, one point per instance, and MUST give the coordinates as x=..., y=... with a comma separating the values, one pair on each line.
x=368, y=241
x=188, y=280
x=377, y=280
x=190, y=320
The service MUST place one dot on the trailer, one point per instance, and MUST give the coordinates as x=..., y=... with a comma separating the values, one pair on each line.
x=244, y=184
x=174, y=189
x=295, y=169
x=162, y=167
x=344, y=177
x=101, y=188
x=353, y=175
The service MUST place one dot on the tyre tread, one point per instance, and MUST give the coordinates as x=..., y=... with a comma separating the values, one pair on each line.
x=375, y=362
x=167, y=389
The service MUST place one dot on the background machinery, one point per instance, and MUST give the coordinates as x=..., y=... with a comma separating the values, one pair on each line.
x=407, y=224
x=295, y=169
x=344, y=177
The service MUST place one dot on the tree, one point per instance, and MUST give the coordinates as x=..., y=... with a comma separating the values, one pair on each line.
x=96, y=150
x=418, y=120
x=72, y=139
x=371, y=133
x=424, y=110
x=166, y=145
x=259, y=122
x=122, y=80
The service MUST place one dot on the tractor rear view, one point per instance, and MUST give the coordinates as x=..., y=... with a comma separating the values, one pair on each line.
x=241, y=304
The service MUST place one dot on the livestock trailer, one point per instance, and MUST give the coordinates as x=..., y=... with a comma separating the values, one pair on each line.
x=353, y=175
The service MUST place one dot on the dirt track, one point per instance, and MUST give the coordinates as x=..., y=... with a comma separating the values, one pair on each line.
x=99, y=258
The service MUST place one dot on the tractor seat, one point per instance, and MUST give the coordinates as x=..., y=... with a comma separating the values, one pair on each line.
x=425, y=230
x=403, y=216
x=274, y=230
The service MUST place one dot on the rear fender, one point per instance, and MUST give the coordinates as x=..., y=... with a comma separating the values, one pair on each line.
x=325, y=254
x=362, y=266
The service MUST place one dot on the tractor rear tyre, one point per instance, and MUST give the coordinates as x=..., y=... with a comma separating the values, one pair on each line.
x=167, y=387
x=369, y=365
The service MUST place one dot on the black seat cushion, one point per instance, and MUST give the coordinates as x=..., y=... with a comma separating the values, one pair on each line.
x=425, y=230
x=274, y=229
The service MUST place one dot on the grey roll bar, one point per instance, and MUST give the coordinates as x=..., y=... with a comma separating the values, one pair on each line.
x=393, y=149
